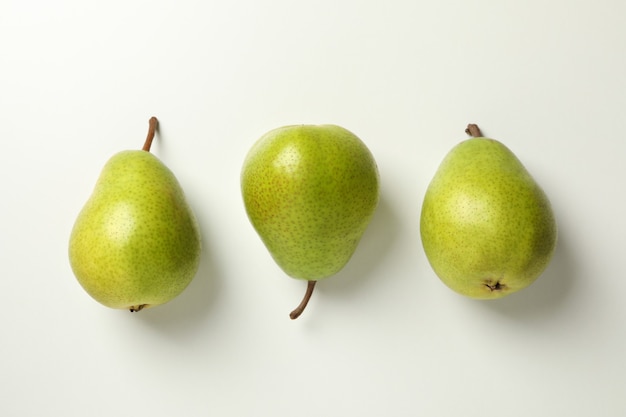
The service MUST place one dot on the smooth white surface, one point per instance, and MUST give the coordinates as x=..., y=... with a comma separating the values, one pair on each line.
x=78, y=82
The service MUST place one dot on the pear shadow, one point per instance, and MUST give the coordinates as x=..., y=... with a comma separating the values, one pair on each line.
x=187, y=311
x=547, y=294
x=375, y=244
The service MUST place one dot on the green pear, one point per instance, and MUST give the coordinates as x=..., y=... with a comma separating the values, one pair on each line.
x=310, y=192
x=136, y=242
x=487, y=228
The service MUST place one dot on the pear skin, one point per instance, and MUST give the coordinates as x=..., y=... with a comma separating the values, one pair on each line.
x=487, y=227
x=136, y=242
x=310, y=192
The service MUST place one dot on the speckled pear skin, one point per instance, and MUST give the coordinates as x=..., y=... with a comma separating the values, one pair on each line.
x=136, y=242
x=487, y=228
x=310, y=192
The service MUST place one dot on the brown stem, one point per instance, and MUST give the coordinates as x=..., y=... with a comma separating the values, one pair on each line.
x=152, y=126
x=307, y=296
x=473, y=131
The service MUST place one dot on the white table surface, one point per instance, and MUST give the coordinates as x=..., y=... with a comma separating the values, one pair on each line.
x=78, y=82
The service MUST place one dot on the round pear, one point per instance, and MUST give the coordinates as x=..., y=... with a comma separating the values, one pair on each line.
x=487, y=227
x=310, y=192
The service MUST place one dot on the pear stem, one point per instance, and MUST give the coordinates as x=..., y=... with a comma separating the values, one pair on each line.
x=473, y=131
x=152, y=126
x=307, y=296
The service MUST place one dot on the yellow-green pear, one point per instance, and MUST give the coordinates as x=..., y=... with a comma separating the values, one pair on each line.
x=310, y=192
x=136, y=242
x=487, y=227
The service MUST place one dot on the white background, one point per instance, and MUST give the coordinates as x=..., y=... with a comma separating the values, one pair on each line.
x=384, y=337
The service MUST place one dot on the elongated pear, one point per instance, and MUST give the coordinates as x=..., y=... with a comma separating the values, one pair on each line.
x=487, y=227
x=310, y=192
x=136, y=242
